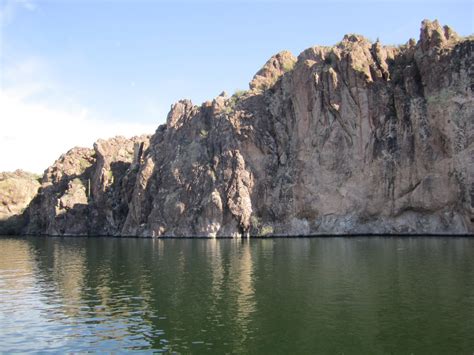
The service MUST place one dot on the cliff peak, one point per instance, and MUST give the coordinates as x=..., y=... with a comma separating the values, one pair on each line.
x=433, y=35
x=178, y=111
x=274, y=68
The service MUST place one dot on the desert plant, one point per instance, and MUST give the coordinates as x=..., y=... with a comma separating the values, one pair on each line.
x=288, y=66
x=255, y=221
x=266, y=230
x=239, y=93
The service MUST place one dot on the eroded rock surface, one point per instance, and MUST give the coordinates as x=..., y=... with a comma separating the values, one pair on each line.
x=354, y=138
x=86, y=191
x=17, y=189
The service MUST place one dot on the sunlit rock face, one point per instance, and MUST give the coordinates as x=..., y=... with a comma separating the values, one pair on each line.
x=354, y=138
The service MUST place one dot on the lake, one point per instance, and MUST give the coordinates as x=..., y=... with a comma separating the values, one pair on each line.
x=261, y=296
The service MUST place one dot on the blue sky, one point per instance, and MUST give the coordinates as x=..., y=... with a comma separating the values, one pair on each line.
x=72, y=71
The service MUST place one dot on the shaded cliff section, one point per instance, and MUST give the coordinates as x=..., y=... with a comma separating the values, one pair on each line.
x=17, y=189
x=86, y=191
x=351, y=139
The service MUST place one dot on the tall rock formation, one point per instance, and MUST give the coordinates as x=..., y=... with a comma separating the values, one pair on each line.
x=354, y=138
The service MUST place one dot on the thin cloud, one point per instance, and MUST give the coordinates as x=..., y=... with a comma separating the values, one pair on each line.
x=10, y=8
x=35, y=134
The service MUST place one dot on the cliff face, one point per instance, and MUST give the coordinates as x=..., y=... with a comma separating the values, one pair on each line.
x=86, y=191
x=355, y=138
x=17, y=189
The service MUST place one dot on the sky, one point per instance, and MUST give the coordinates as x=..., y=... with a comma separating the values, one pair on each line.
x=73, y=71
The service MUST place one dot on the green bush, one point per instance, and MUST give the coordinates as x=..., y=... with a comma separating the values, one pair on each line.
x=266, y=230
x=255, y=221
x=288, y=66
x=239, y=93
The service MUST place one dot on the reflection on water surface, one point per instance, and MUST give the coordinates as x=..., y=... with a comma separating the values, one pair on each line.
x=326, y=295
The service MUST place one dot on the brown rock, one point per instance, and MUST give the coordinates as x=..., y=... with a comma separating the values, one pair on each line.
x=17, y=189
x=355, y=138
x=273, y=69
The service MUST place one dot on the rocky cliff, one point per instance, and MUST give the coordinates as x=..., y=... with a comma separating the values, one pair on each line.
x=17, y=189
x=354, y=138
x=86, y=191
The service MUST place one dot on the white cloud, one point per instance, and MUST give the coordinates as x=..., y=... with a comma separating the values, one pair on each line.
x=34, y=134
x=39, y=122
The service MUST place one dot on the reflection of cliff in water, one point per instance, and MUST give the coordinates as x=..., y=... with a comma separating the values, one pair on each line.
x=16, y=268
x=239, y=295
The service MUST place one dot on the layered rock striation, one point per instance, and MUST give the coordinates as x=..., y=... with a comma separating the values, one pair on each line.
x=351, y=139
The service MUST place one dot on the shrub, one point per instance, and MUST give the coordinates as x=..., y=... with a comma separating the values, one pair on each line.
x=266, y=230
x=288, y=66
x=239, y=93
x=255, y=221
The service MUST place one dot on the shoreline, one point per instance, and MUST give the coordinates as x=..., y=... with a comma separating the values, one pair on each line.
x=313, y=236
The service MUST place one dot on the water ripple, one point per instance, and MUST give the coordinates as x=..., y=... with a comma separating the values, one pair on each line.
x=287, y=296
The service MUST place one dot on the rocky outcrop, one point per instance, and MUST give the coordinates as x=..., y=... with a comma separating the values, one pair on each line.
x=354, y=138
x=273, y=69
x=86, y=191
x=17, y=189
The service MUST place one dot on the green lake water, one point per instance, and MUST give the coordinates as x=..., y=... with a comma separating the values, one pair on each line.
x=260, y=296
